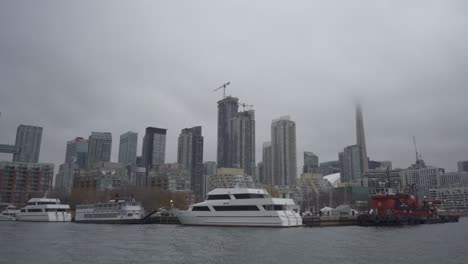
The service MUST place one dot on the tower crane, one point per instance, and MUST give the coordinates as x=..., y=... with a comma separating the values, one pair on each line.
x=223, y=87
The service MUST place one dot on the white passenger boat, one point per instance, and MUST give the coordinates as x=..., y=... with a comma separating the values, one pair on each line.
x=242, y=207
x=9, y=213
x=44, y=210
x=113, y=212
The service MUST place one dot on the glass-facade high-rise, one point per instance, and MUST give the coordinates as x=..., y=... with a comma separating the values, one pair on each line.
x=227, y=109
x=77, y=152
x=154, y=148
x=99, y=148
x=190, y=155
x=283, y=148
x=28, y=144
x=128, y=148
x=243, y=141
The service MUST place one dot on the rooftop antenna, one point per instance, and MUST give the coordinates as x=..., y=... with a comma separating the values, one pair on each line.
x=223, y=87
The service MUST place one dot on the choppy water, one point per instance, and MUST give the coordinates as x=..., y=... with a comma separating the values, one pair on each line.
x=88, y=243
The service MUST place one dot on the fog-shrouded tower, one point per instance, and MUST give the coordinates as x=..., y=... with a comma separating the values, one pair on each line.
x=243, y=141
x=360, y=137
x=283, y=149
x=190, y=154
x=28, y=144
x=227, y=109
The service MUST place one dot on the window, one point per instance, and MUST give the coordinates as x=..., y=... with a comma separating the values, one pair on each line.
x=236, y=208
x=201, y=208
x=219, y=197
x=249, y=196
x=34, y=210
x=50, y=210
x=274, y=207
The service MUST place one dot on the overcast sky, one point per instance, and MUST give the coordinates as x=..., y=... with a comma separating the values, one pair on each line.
x=120, y=66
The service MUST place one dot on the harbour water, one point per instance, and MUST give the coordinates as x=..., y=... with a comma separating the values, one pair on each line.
x=90, y=243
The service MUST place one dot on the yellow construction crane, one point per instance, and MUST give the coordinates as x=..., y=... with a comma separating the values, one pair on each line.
x=224, y=88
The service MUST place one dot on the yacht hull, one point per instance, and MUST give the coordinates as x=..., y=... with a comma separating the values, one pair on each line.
x=282, y=219
x=44, y=217
x=7, y=218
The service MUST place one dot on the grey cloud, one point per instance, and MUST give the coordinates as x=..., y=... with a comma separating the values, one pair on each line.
x=118, y=66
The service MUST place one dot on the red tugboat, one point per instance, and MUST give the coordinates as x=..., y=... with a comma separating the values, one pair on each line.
x=391, y=208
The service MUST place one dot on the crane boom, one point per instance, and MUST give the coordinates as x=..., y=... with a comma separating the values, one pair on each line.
x=223, y=87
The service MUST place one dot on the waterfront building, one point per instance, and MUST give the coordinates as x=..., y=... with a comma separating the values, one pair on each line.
x=99, y=148
x=260, y=173
x=351, y=164
x=462, y=166
x=28, y=144
x=154, y=148
x=227, y=109
x=453, y=179
x=136, y=175
x=229, y=178
x=128, y=148
x=102, y=176
x=283, y=149
x=190, y=155
x=267, y=161
x=380, y=178
x=209, y=168
x=452, y=198
x=243, y=141
x=311, y=163
x=171, y=177
x=21, y=180
x=329, y=167
x=361, y=139
x=423, y=178
x=77, y=152
x=65, y=177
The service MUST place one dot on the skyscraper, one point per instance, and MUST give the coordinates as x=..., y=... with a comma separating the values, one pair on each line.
x=267, y=163
x=190, y=154
x=243, y=141
x=77, y=152
x=462, y=166
x=311, y=163
x=154, y=147
x=227, y=109
x=28, y=144
x=351, y=167
x=283, y=148
x=99, y=148
x=360, y=138
x=128, y=148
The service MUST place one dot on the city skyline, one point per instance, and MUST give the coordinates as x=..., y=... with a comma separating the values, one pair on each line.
x=147, y=81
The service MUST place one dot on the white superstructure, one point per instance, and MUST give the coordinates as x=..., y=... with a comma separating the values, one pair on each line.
x=9, y=213
x=113, y=212
x=242, y=207
x=44, y=210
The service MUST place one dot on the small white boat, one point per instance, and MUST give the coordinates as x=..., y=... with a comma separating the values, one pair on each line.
x=113, y=212
x=9, y=213
x=44, y=210
x=241, y=207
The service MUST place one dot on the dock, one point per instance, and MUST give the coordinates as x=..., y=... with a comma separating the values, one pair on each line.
x=324, y=221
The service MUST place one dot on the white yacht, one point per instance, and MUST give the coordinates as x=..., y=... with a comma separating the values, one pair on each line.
x=113, y=212
x=242, y=207
x=9, y=213
x=44, y=210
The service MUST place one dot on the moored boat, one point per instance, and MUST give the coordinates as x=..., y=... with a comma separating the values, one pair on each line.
x=44, y=210
x=9, y=213
x=241, y=207
x=116, y=211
